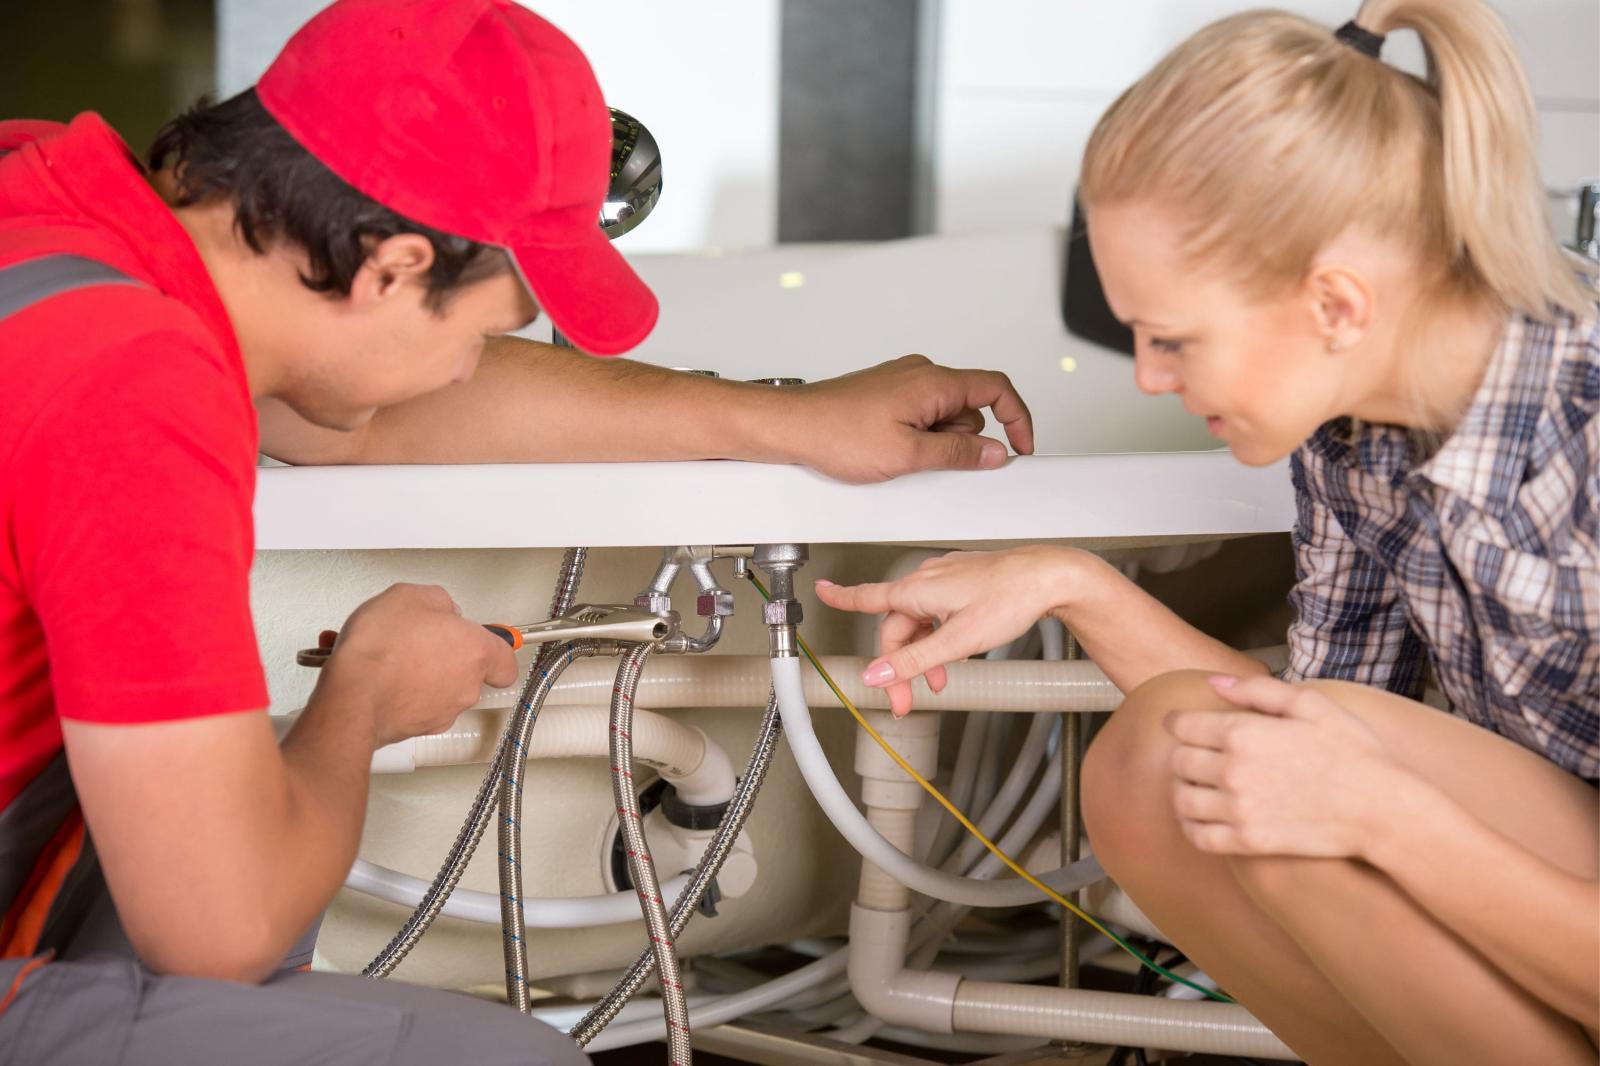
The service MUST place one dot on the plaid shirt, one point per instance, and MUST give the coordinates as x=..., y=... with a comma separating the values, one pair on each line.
x=1483, y=559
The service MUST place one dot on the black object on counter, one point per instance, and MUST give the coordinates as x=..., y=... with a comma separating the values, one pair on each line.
x=1083, y=301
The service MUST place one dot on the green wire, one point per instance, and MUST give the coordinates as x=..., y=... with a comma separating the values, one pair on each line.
x=1121, y=943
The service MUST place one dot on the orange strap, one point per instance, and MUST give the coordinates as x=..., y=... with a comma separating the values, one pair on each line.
x=22, y=974
x=24, y=921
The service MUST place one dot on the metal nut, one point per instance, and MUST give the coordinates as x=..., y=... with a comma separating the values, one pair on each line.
x=654, y=602
x=714, y=604
x=782, y=613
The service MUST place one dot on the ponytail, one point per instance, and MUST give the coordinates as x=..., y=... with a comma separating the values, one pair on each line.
x=1493, y=204
x=1271, y=135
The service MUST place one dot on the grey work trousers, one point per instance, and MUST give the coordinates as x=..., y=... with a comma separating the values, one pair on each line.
x=98, y=1006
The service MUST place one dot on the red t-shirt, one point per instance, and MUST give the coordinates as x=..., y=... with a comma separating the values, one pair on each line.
x=127, y=462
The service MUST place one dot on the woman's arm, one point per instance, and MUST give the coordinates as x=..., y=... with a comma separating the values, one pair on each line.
x=1540, y=924
x=985, y=599
x=1130, y=634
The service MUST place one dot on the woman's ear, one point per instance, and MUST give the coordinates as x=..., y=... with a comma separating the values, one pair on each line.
x=1341, y=305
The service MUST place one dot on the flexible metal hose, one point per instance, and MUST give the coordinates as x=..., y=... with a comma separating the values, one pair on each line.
x=728, y=830
x=640, y=865
x=471, y=832
x=513, y=927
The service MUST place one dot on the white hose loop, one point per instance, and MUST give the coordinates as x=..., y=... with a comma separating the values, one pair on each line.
x=842, y=812
x=556, y=912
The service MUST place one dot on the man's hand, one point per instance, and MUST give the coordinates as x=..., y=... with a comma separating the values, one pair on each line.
x=903, y=416
x=410, y=653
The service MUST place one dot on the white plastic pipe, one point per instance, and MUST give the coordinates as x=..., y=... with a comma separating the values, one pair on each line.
x=572, y=912
x=742, y=681
x=842, y=812
x=682, y=753
x=1113, y=1018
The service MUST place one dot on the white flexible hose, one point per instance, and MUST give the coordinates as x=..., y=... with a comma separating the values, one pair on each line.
x=727, y=1008
x=842, y=812
x=1011, y=790
x=571, y=912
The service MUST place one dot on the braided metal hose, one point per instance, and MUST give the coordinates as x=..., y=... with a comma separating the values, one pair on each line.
x=705, y=872
x=640, y=865
x=471, y=831
x=567, y=579
x=519, y=730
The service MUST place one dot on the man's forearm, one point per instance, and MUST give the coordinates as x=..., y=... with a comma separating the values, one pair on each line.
x=531, y=402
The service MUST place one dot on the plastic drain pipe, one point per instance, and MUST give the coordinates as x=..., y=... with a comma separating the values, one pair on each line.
x=741, y=681
x=880, y=924
x=697, y=766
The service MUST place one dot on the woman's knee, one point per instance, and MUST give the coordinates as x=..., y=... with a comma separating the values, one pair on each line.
x=1127, y=770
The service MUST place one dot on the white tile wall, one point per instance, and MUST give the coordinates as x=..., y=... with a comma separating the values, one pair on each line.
x=701, y=74
x=1021, y=83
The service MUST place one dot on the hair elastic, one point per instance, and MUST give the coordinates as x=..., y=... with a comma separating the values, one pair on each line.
x=1362, y=40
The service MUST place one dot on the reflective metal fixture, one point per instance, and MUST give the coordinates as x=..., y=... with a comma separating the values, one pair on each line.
x=635, y=183
x=778, y=381
x=1584, y=201
x=1584, y=240
x=635, y=176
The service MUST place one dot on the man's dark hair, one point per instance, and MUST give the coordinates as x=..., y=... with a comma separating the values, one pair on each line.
x=236, y=149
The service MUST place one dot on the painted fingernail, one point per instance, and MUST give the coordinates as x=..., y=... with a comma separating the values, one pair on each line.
x=877, y=674
x=994, y=454
x=1223, y=680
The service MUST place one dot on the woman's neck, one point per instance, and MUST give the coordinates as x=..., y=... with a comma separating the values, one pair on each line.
x=1439, y=354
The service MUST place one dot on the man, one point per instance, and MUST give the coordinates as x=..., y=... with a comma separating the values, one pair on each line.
x=336, y=249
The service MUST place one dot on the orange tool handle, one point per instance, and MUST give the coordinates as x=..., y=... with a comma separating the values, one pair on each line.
x=318, y=656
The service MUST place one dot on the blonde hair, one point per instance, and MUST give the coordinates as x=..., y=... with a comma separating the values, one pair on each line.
x=1271, y=136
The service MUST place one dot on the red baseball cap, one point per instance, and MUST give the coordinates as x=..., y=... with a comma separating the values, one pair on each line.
x=477, y=118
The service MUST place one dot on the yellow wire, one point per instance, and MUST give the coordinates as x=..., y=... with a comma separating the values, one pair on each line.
x=966, y=823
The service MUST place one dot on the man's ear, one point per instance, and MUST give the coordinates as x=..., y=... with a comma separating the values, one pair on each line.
x=392, y=265
x=1341, y=303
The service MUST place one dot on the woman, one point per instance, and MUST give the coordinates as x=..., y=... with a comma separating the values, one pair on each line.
x=1329, y=258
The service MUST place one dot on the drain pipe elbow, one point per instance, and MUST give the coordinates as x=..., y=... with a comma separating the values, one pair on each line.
x=923, y=999
x=711, y=781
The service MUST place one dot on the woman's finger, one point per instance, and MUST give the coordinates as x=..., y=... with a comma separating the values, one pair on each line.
x=867, y=599
x=1215, y=838
x=1201, y=729
x=1201, y=804
x=1265, y=694
x=1200, y=766
x=943, y=645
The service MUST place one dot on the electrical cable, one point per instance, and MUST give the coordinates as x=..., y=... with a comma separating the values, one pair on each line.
x=966, y=823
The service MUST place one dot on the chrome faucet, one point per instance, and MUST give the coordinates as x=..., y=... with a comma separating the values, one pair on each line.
x=1586, y=198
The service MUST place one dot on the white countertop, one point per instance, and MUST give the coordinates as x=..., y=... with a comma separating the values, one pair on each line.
x=1148, y=496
